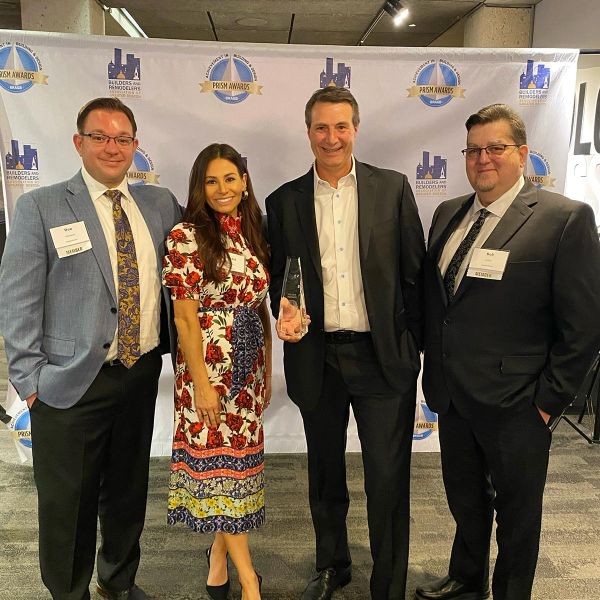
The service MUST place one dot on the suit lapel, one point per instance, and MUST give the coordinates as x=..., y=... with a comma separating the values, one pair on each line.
x=446, y=224
x=305, y=207
x=513, y=219
x=367, y=194
x=82, y=206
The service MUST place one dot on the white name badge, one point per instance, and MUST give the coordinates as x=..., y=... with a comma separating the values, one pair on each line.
x=238, y=263
x=487, y=264
x=70, y=239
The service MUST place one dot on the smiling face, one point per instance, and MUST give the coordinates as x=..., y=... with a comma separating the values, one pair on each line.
x=107, y=163
x=332, y=134
x=491, y=176
x=223, y=186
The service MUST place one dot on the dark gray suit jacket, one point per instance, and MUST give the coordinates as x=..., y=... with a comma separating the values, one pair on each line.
x=530, y=337
x=391, y=247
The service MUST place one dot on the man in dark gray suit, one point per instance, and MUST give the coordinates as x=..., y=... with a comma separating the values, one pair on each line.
x=80, y=312
x=512, y=286
x=357, y=232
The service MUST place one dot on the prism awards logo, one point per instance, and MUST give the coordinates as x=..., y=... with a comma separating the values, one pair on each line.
x=124, y=77
x=20, y=426
x=541, y=168
x=431, y=178
x=426, y=422
x=20, y=68
x=142, y=169
x=341, y=78
x=533, y=87
x=436, y=82
x=231, y=78
x=22, y=168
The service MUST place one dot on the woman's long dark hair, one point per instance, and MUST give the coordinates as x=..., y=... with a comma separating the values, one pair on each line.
x=208, y=230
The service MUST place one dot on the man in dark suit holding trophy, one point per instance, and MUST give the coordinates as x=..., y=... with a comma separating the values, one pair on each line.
x=357, y=233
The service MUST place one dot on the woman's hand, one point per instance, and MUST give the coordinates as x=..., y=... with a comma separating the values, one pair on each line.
x=208, y=405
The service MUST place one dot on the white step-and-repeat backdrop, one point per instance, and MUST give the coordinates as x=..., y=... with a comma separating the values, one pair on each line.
x=185, y=95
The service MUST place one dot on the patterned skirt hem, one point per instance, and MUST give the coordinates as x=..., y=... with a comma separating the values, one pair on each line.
x=216, y=523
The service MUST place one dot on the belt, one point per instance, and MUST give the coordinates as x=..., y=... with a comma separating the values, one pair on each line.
x=345, y=336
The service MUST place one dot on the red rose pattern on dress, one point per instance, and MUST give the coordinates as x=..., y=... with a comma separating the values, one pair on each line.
x=217, y=473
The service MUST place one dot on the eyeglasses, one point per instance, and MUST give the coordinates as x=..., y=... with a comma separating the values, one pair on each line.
x=101, y=139
x=493, y=150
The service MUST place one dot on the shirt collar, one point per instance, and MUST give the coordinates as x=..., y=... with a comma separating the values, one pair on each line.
x=500, y=206
x=97, y=189
x=349, y=179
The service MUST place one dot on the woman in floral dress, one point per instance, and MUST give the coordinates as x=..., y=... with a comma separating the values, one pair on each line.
x=216, y=269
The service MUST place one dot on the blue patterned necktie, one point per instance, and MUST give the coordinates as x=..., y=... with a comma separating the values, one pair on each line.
x=461, y=253
x=128, y=332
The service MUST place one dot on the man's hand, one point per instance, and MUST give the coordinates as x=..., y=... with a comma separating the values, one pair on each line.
x=31, y=400
x=545, y=415
x=290, y=322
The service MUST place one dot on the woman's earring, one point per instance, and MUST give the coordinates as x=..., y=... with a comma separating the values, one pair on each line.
x=245, y=195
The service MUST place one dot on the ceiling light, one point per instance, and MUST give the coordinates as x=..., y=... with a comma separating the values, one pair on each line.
x=413, y=25
x=396, y=10
x=401, y=17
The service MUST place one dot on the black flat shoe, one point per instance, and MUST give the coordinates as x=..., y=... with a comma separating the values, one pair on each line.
x=216, y=592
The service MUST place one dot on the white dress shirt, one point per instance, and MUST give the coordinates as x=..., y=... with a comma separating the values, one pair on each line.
x=496, y=209
x=336, y=210
x=146, y=259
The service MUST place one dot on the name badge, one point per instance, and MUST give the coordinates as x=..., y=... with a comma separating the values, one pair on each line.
x=70, y=239
x=238, y=263
x=487, y=264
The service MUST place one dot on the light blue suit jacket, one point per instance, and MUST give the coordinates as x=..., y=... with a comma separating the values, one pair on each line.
x=55, y=313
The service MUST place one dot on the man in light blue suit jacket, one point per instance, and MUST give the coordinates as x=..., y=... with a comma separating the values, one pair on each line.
x=91, y=415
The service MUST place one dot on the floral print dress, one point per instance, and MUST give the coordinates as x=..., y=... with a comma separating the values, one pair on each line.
x=216, y=479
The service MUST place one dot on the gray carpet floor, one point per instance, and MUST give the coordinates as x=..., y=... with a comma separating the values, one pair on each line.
x=173, y=566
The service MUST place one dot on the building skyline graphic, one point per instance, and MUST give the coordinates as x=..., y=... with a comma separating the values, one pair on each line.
x=130, y=70
x=535, y=81
x=340, y=78
x=28, y=161
x=437, y=170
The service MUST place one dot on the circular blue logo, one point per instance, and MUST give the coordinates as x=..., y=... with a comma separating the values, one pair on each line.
x=22, y=63
x=541, y=169
x=142, y=166
x=22, y=429
x=228, y=71
x=425, y=422
x=436, y=81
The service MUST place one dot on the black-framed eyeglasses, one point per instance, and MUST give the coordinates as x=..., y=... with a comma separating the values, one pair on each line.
x=493, y=150
x=101, y=139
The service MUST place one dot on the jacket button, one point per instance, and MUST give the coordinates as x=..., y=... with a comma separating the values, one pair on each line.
x=113, y=310
x=106, y=346
x=446, y=321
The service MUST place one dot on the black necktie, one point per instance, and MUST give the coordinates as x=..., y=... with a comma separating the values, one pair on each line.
x=461, y=253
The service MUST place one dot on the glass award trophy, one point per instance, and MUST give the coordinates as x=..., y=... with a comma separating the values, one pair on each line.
x=292, y=308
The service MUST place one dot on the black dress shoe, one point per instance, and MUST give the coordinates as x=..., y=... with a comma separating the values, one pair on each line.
x=449, y=589
x=326, y=582
x=133, y=593
x=216, y=592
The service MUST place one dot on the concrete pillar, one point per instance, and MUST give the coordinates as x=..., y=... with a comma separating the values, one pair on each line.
x=499, y=27
x=65, y=16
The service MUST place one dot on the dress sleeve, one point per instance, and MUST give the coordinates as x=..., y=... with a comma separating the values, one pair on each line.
x=182, y=267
